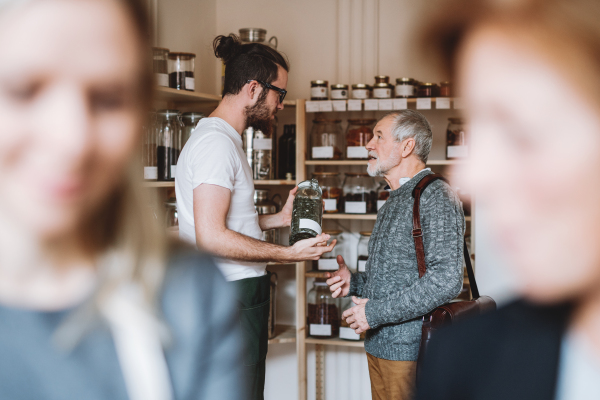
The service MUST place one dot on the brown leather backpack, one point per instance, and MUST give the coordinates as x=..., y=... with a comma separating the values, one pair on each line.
x=454, y=311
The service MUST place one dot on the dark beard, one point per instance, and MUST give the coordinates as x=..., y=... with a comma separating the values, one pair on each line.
x=259, y=116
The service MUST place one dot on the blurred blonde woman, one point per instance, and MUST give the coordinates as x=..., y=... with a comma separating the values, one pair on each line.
x=94, y=304
x=528, y=71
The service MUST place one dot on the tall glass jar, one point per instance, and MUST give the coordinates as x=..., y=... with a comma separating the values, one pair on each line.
x=171, y=218
x=266, y=206
x=149, y=149
x=160, y=66
x=358, y=134
x=362, y=251
x=262, y=156
x=323, y=311
x=360, y=196
x=168, y=129
x=326, y=139
x=456, y=139
x=383, y=193
x=307, y=212
x=190, y=121
x=328, y=261
x=181, y=71
x=331, y=186
x=345, y=331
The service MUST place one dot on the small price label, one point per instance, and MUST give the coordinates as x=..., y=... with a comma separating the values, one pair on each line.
x=325, y=106
x=339, y=105
x=354, y=105
x=424, y=103
x=442, y=103
x=385, y=104
x=400, y=104
x=312, y=106
x=371, y=105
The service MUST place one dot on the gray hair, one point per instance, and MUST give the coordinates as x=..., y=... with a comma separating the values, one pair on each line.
x=412, y=124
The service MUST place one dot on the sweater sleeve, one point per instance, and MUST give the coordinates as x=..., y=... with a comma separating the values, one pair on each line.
x=443, y=225
x=357, y=283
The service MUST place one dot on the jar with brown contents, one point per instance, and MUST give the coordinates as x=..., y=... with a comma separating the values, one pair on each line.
x=360, y=193
x=323, y=311
x=331, y=186
x=359, y=133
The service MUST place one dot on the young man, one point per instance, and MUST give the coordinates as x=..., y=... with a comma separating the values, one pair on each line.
x=215, y=190
x=392, y=297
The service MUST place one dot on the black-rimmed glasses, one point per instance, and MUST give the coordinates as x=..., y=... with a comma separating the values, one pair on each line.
x=282, y=92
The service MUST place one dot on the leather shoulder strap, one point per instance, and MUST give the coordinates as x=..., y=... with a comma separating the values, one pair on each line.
x=417, y=233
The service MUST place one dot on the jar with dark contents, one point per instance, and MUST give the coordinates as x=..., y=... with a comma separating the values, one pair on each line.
x=405, y=88
x=323, y=311
x=160, y=66
x=326, y=139
x=382, y=79
x=456, y=140
x=307, y=211
x=181, y=71
x=331, y=186
x=362, y=251
x=445, y=89
x=339, y=92
x=361, y=91
x=382, y=91
x=426, y=90
x=168, y=128
x=358, y=134
x=383, y=193
x=359, y=193
x=318, y=90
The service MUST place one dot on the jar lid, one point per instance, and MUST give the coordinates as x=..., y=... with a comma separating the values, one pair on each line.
x=382, y=85
x=445, y=83
x=339, y=86
x=360, y=86
x=404, y=80
x=381, y=77
x=193, y=115
x=174, y=56
x=319, y=82
x=168, y=113
x=357, y=174
x=427, y=84
x=326, y=173
x=160, y=49
x=333, y=232
x=365, y=233
x=366, y=121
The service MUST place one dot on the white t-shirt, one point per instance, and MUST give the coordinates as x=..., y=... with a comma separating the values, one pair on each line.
x=579, y=370
x=214, y=155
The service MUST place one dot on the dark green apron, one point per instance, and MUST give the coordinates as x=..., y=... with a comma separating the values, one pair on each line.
x=254, y=302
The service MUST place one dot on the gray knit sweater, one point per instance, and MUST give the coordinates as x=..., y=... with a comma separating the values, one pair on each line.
x=397, y=297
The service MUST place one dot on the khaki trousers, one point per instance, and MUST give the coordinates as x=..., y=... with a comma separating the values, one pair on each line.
x=391, y=380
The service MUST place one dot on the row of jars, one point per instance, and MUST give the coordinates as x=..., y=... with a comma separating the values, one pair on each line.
x=174, y=70
x=358, y=194
x=328, y=261
x=166, y=133
x=381, y=89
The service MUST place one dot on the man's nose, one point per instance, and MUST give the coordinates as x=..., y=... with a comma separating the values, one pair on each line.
x=371, y=145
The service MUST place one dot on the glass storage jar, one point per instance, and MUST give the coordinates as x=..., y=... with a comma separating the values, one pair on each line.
x=168, y=129
x=339, y=92
x=160, y=66
x=266, y=206
x=326, y=139
x=405, y=88
x=383, y=193
x=262, y=156
x=359, y=193
x=358, y=134
x=362, y=251
x=287, y=153
x=323, y=311
x=328, y=261
x=426, y=90
x=360, y=91
x=149, y=149
x=171, y=218
x=456, y=139
x=382, y=91
x=190, y=120
x=307, y=212
x=318, y=90
x=331, y=186
x=345, y=331
x=445, y=89
x=382, y=79
x=181, y=71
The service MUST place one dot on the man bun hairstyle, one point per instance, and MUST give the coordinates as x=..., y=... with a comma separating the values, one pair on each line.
x=246, y=61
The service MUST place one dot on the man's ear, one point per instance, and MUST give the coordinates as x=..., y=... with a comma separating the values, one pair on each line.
x=407, y=147
x=252, y=90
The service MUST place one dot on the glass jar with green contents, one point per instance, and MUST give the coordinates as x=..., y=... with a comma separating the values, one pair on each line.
x=307, y=213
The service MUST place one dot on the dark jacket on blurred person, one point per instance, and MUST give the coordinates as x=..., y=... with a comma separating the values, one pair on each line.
x=204, y=358
x=511, y=354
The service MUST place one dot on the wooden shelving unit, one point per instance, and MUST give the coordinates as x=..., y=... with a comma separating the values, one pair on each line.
x=274, y=182
x=284, y=334
x=185, y=96
x=336, y=342
x=158, y=184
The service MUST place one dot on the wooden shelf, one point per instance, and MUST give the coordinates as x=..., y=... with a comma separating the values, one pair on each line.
x=350, y=216
x=289, y=103
x=284, y=334
x=336, y=342
x=365, y=162
x=185, y=96
x=317, y=274
x=387, y=105
x=468, y=218
x=158, y=184
x=275, y=182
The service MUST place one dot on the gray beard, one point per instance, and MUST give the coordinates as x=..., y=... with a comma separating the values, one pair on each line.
x=381, y=169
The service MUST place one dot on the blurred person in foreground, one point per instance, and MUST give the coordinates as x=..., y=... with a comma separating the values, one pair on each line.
x=94, y=304
x=528, y=72
x=393, y=297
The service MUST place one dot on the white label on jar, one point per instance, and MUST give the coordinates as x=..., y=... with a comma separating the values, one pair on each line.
x=262, y=144
x=356, y=207
x=348, y=333
x=322, y=152
x=150, y=172
x=400, y=104
x=190, y=83
x=382, y=93
x=318, y=92
x=371, y=105
x=320, y=329
x=357, y=152
x=328, y=264
x=362, y=265
x=405, y=90
x=442, y=103
x=339, y=94
x=339, y=105
x=424, y=103
x=162, y=79
x=312, y=106
x=360, y=93
x=458, y=151
x=306, y=223
x=330, y=204
x=385, y=104
x=173, y=170
x=325, y=106
x=354, y=105
x=380, y=204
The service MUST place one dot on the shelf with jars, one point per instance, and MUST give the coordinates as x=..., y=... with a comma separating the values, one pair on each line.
x=366, y=162
x=389, y=104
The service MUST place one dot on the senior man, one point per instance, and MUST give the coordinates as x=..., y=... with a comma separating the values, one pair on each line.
x=389, y=296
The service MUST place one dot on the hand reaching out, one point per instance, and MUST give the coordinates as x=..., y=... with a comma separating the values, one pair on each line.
x=339, y=281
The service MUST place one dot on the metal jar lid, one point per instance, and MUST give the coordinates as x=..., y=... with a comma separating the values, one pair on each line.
x=253, y=34
x=382, y=79
x=427, y=84
x=404, y=80
x=174, y=56
x=381, y=85
x=339, y=86
x=360, y=86
x=319, y=82
x=168, y=113
x=193, y=116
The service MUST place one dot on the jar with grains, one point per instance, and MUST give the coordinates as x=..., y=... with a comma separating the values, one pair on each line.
x=358, y=134
x=339, y=92
x=382, y=91
x=318, y=90
x=328, y=261
x=168, y=128
x=456, y=139
x=160, y=66
x=383, y=193
x=326, y=139
x=382, y=79
x=323, y=311
x=307, y=211
x=445, y=89
x=405, y=88
x=181, y=71
x=362, y=251
x=361, y=91
x=331, y=186
x=190, y=120
x=345, y=331
x=359, y=193
x=149, y=148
